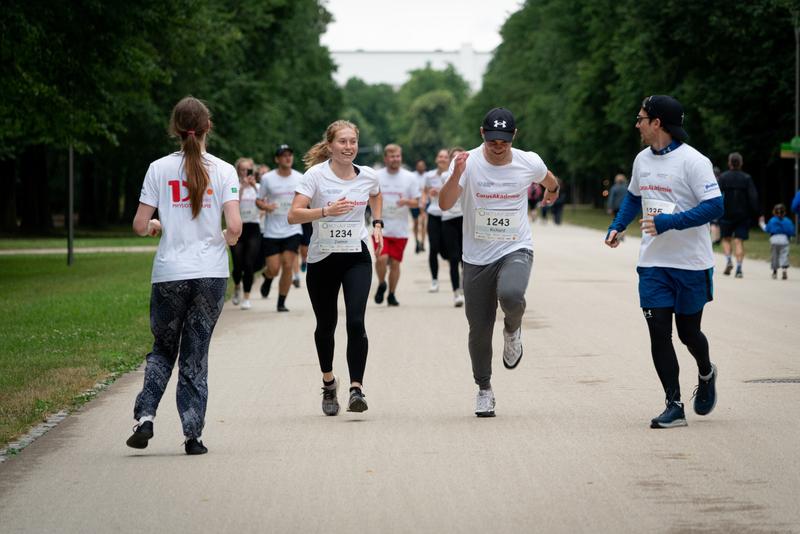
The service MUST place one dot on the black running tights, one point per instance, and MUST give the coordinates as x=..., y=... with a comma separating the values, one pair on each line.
x=353, y=273
x=659, y=322
x=246, y=254
x=434, y=244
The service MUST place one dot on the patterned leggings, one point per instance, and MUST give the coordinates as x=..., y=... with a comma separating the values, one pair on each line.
x=183, y=314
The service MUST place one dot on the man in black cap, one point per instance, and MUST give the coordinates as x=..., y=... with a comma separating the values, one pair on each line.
x=492, y=181
x=674, y=187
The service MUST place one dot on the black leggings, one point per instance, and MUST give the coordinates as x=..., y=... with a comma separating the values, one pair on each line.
x=659, y=322
x=246, y=254
x=352, y=271
x=452, y=243
x=435, y=243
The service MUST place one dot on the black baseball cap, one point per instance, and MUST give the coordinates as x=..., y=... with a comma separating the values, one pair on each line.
x=283, y=148
x=499, y=124
x=670, y=111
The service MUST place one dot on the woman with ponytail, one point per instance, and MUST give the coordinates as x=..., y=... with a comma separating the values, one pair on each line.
x=333, y=195
x=191, y=189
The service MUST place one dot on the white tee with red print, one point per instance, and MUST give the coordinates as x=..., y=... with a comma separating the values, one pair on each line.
x=189, y=248
x=435, y=180
x=279, y=190
x=672, y=183
x=495, y=204
x=396, y=186
x=323, y=187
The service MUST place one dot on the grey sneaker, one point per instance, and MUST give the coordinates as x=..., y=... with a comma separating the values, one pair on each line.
x=357, y=401
x=235, y=299
x=512, y=348
x=484, y=403
x=330, y=404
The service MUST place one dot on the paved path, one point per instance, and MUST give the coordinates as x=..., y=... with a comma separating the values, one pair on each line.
x=570, y=449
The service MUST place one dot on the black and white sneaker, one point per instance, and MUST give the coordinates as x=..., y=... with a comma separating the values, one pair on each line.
x=194, y=446
x=512, y=348
x=484, y=403
x=671, y=417
x=142, y=433
x=705, y=394
x=330, y=403
x=357, y=401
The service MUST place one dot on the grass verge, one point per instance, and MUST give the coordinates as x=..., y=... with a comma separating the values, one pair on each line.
x=66, y=328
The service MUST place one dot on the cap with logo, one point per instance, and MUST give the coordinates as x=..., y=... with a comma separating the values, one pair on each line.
x=283, y=148
x=669, y=111
x=499, y=124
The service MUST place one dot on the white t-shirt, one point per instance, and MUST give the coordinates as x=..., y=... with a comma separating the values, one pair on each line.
x=675, y=182
x=247, y=205
x=400, y=185
x=420, y=176
x=279, y=190
x=495, y=204
x=189, y=248
x=455, y=210
x=435, y=180
x=323, y=187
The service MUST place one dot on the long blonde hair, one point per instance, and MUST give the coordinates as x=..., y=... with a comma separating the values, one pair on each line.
x=191, y=121
x=321, y=151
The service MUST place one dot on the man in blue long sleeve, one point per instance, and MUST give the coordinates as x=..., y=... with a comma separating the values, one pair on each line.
x=673, y=185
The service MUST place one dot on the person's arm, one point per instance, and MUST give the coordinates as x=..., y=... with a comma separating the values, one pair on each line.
x=376, y=207
x=752, y=195
x=143, y=224
x=450, y=191
x=628, y=210
x=703, y=213
x=233, y=222
x=551, y=189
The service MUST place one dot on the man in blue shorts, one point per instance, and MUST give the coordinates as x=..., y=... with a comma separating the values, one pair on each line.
x=673, y=185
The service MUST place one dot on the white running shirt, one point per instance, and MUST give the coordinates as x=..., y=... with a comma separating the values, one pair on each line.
x=677, y=181
x=279, y=190
x=436, y=180
x=189, y=248
x=323, y=187
x=455, y=210
x=247, y=205
x=495, y=197
x=400, y=185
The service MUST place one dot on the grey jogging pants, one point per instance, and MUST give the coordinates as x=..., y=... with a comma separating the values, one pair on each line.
x=503, y=281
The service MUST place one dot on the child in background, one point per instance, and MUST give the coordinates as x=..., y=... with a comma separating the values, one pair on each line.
x=780, y=229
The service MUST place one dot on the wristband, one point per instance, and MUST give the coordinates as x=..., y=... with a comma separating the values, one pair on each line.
x=323, y=212
x=556, y=190
x=376, y=222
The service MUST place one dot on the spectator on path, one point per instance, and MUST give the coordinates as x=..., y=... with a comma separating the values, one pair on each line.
x=616, y=194
x=780, y=229
x=741, y=203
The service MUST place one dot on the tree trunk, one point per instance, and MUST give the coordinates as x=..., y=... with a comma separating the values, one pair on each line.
x=8, y=183
x=88, y=207
x=36, y=217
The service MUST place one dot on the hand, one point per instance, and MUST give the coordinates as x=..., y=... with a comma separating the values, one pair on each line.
x=230, y=241
x=340, y=207
x=460, y=163
x=153, y=227
x=433, y=192
x=762, y=221
x=648, y=226
x=550, y=198
x=269, y=208
x=613, y=238
x=377, y=233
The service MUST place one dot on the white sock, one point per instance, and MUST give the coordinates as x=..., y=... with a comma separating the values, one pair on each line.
x=145, y=418
x=708, y=376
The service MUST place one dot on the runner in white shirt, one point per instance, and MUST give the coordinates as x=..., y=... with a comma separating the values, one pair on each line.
x=433, y=183
x=281, y=239
x=246, y=254
x=190, y=189
x=334, y=194
x=453, y=238
x=418, y=213
x=492, y=181
x=400, y=191
x=674, y=186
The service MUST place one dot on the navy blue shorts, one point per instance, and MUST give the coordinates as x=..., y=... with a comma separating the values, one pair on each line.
x=684, y=291
x=308, y=228
x=415, y=212
x=737, y=229
x=271, y=246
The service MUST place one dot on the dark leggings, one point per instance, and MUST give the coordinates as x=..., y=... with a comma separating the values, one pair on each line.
x=435, y=243
x=659, y=322
x=246, y=254
x=352, y=271
x=452, y=241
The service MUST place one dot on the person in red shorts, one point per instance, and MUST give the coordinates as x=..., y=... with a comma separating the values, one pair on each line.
x=400, y=190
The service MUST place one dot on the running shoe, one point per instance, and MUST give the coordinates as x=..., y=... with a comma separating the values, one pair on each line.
x=774, y=275
x=330, y=404
x=142, y=433
x=458, y=299
x=391, y=300
x=434, y=287
x=512, y=348
x=296, y=281
x=282, y=308
x=484, y=403
x=728, y=269
x=235, y=298
x=785, y=275
x=194, y=446
x=738, y=274
x=246, y=304
x=265, y=286
x=303, y=266
x=705, y=394
x=357, y=401
x=671, y=417
x=379, y=294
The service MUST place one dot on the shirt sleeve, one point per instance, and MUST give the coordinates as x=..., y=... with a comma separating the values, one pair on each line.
x=230, y=186
x=413, y=190
x=149, y=194
x=701, y=179
x=633, y=187
x=307, y=185
x=536, y=165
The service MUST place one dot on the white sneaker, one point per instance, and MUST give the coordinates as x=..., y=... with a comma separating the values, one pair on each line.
x=235, y=298
x=484, y=403
x=512, y=348
x=246, y=304
x=458, y=298
x=434, y=287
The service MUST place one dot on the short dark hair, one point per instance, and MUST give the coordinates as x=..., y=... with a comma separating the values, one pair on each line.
x=735, y=160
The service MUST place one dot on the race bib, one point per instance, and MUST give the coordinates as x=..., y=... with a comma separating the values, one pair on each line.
x=340, y=236
x=248, y=209
x=651, y=207
x=497, y=225
x=283, y=207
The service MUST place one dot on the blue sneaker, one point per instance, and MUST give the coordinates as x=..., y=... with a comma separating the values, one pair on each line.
x=705, y=394
x=671, y=417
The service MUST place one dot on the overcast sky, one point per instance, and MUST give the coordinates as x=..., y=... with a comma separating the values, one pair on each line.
x=416, y=24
